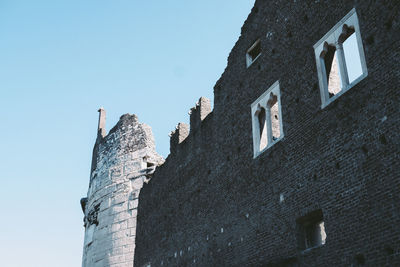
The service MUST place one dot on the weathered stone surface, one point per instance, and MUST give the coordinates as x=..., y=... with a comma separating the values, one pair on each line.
x=120, y=166
x=212, y=204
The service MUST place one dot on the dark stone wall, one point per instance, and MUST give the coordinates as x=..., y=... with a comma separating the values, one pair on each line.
x=212, y=204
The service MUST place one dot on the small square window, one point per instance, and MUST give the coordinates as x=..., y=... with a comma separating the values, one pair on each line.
x=340, y=59
x=311, y=230
x=266, y=117
x=253, y=53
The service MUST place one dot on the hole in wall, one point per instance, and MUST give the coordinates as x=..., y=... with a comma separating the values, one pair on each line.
x=273, y=51
x=311, y=229
x=389, y=250
x=370, y=40
x=337, y=165
x=150, y=164
x=253, y=52
x=360, y=259
x=364, y=149
x=388, y=24
x=382, y=139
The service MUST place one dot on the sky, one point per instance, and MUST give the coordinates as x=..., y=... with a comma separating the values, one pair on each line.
x=59, y=62
x=353, y=61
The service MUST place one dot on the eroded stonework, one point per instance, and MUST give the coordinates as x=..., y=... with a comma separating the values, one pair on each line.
x=122, y=161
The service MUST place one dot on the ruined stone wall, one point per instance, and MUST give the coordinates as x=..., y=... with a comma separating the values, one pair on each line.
x=212, y=204
x=122, y=161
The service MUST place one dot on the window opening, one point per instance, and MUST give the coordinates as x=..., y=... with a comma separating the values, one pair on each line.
x=263, y=129
x=267, y=123
x=315, y=234
x=253, y=53
x=351, y=53
x=150, y=164
x=312, y=230
x=275, y=124
x=340, y=59
x=331, y=69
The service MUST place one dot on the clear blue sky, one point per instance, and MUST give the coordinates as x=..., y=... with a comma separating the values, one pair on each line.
x=59, y=62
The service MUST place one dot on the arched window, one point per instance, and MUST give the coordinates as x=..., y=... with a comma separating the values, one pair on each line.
x=267, y=123
x=340, y=59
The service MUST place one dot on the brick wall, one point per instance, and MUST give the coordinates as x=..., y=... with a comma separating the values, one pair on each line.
x=212, y=204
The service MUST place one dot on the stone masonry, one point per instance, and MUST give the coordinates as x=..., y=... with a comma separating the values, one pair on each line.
x=122, y=161
x=326, y=194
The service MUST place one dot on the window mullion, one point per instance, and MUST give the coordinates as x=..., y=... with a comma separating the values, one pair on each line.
x=342, y=65
x=269, y=124
x=256, y=134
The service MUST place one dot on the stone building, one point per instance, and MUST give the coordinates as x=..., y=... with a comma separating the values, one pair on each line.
x=298, y=163
x=122, y=161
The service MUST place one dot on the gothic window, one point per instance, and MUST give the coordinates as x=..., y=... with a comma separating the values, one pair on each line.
x=266, y=119
x=340, y=59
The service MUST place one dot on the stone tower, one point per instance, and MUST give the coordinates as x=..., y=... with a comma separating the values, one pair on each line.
x=122, y=161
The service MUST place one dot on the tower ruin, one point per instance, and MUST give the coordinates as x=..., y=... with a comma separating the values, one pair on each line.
x=122, y=161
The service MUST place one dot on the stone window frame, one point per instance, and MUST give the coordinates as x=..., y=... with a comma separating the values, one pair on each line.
x=249, y=59
x=256, y=106
x=333, y=38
